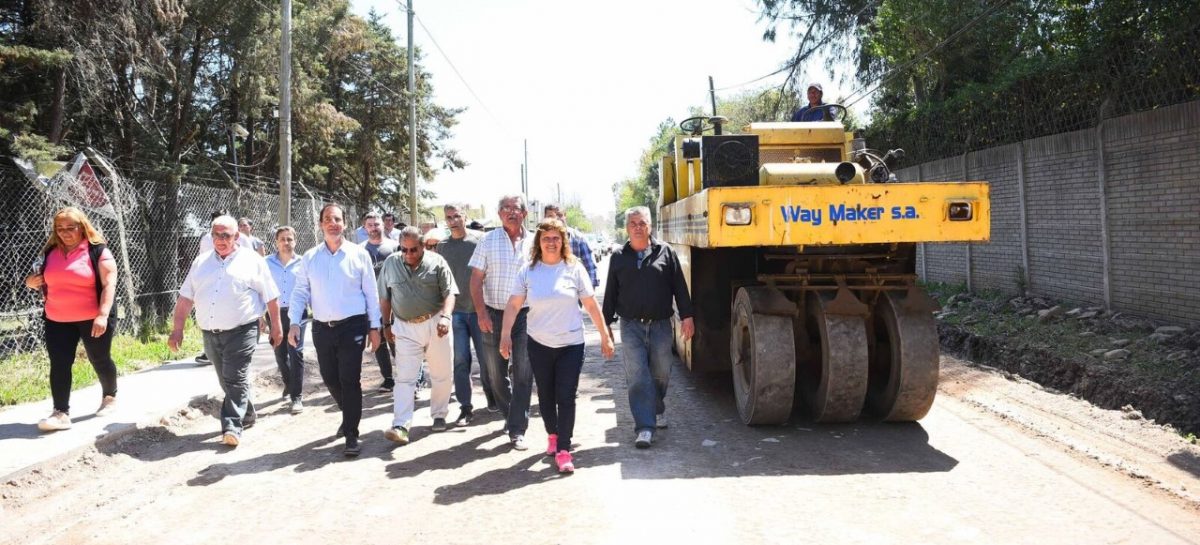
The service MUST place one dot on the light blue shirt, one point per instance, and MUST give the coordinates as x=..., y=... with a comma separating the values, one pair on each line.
x=336, y=285
x=284, y=276
x=229, y=292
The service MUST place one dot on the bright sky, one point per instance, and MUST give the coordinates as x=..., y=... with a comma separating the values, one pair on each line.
x=585, y=83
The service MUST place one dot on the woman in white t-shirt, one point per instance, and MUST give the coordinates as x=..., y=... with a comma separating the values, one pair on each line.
x=553, y=283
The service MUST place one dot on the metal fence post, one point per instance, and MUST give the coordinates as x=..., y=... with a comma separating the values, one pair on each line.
x=1102, y=181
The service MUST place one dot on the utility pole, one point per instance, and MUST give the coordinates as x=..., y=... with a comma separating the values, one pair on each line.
x=285, y=115
x=412, y=122
x=525, y=172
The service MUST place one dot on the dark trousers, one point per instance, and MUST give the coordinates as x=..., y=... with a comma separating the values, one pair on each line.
x=62, y=338
x=556, y=371
x=230, y=351
x=339, y=355
x=290, y=359
x=383, y=357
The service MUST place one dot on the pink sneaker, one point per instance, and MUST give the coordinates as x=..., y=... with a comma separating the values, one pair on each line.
x=551, y=445
x=565, y=464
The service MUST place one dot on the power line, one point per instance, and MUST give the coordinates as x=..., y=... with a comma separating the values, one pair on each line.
x=454, y=68
x=800, y=58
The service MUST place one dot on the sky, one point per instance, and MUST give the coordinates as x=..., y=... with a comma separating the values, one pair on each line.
x=586, y=84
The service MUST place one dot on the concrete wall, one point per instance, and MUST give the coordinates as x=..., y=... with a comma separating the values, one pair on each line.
x=1105, y=216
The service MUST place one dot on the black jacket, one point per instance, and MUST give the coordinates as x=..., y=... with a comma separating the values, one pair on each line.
x=645, y=293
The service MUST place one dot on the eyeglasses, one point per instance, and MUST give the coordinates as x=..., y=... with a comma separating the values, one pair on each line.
x=511, y=208
x=223, y=236
x=404, y=250
x=552, y=240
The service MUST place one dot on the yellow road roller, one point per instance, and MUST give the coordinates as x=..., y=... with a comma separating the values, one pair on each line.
x=799, y=247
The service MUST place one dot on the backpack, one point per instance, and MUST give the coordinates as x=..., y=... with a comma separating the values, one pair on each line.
x=94, y=253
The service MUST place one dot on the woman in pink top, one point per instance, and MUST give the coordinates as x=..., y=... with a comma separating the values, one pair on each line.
x=78, y=301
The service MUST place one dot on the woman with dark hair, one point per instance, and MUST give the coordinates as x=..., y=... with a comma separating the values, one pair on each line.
x=553, y=283
x=77, y=277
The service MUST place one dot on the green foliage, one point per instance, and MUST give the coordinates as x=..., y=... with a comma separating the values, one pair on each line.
x=955, y=76
x=577, y=218
x=26, y=375
x=157, y=83
x=642, y=189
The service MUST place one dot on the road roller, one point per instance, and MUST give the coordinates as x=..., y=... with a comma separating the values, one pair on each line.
x=800, y=247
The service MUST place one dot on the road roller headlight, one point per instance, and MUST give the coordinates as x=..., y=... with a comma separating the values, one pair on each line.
x=737, y=213
x=960, y=211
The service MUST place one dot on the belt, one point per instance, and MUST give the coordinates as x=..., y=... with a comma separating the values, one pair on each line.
x=335, y=323
x=418, y=319
x=644, y=321
x=231, y=328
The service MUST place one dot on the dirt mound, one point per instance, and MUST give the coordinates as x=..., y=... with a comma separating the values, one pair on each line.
x=1112, y=359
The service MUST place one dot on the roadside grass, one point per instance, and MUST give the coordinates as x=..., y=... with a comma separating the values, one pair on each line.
x=993, y=314
x=26, y=377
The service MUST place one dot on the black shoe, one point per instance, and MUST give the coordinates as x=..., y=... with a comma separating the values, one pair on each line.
x=493, y=408
x=388, y=385
x=439, y=424
x=247, y=424
x=202, y=359
x=353, y=448
x=464, y=418
x=341, y=431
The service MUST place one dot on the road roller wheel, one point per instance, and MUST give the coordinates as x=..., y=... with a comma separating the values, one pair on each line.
x=763, y=354
x=834, y=381
x=904, y=362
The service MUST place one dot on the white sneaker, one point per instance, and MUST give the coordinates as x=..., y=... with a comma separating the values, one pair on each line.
x=660, y=421
x=297, y=406
x=107, y=406
x=644, y=438
x=57, y=420
x=518, y=442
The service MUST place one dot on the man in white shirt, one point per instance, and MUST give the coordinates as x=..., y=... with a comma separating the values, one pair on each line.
x=246, y=228
x=390, y=229
x=494, y=267
x=337, y=279
x=229, y=288
x=206, y=241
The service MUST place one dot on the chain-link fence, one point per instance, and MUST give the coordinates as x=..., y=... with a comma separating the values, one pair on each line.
x=152, y=228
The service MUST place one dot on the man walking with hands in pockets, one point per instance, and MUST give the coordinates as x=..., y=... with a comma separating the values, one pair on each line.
x=337, y=279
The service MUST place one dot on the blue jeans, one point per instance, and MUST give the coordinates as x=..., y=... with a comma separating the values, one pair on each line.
x=514, y=402
x=646, y=351
x=466, y=331
x=230, y=352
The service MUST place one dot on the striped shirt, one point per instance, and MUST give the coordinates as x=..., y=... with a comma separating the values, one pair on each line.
x=499, y=258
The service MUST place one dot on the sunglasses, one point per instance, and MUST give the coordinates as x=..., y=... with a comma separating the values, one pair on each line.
x=223, y=236
x=404, y=250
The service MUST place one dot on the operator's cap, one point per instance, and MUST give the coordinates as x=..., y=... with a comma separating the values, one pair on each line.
x=817, y=86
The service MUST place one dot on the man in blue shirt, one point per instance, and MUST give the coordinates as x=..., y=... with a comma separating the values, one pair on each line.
x=814, y=111
x=290, y=359
x=337, y=279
